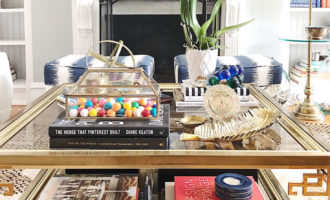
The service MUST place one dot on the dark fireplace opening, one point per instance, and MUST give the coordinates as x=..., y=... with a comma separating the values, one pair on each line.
x=158, y=35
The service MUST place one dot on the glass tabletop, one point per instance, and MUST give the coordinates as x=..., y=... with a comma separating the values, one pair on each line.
x=34, y=136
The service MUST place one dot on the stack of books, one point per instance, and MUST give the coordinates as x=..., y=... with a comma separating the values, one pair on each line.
x=200, y=187
x=305, y=3
x=119, y=134
x=190, y=99
x=298, y=73
x=118, y=187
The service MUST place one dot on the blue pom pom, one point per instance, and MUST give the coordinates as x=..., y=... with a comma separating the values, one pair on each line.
x=153, y=112
x=233, y=70
x=154, y=106
x=75, y=107
x=107, y=106
x=119, y=99
x=121, y=111
x=88, y=104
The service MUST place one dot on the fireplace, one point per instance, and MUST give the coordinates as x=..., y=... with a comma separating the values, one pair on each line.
x=150, y=27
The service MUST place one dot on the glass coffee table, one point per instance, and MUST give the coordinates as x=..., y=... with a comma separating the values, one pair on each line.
x=288, y=144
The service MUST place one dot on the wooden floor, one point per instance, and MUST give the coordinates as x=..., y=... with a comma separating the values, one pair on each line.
x=15, y=110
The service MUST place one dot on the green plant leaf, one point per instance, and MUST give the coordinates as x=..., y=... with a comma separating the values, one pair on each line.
x=229, y=28
x=214, y=13
x=183, y=10
x=193, y=18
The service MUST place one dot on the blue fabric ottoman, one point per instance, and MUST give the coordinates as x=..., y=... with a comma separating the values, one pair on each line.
x=69, y=68
x=258, y=69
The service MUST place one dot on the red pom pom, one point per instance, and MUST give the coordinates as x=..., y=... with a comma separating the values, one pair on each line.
x=101, y=113
x=145, y=113
x=95, y=101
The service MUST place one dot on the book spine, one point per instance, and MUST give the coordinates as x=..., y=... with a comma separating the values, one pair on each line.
x=189, y=104
x=106, y=132
x=323, y=3
x=328, y=4
x=109, y=143
x=318, y=3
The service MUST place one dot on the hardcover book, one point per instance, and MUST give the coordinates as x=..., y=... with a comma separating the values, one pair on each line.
x=117, y=187
x=203, y=187
x=108, y=143
x=62, y=128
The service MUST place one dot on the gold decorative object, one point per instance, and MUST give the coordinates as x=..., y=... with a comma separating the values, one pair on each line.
x=193, y=120
x=221, y=102
x=317, y=32
x=305, y=184
x=10, y=189
x=107, y=84
x=308, y=110
x=241, y=127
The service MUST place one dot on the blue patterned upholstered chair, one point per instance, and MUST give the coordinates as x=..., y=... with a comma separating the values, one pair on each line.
x=258, y=69
x=69, y=68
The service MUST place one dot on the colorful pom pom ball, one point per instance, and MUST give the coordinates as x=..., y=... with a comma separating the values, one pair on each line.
x=95, y=101
x=121, y=111
x=75, y=107
x=135, y=105
x=107, y=106
x=111, y=113
x=128, y=113
x=153, y=112
x=81, y=101
x=145, y=113
x=116, y=107
x=73, y=113
x=88, y=104
x=84, y=113
x=101, y=113
x=127, y=106
x=102, y=102
x=137, y=113
x=119, y=99
x=93, y=112
x=143, y=101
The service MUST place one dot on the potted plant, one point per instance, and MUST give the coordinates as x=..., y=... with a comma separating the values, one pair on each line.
x=202, y=48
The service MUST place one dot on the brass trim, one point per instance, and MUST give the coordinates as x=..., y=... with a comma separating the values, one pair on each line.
x=33, y=184
x=163, y=159
x=288, y=122
x=268, y=185
x=37, y=189
x=276, y=184
x=25, y=118
x=10, y=187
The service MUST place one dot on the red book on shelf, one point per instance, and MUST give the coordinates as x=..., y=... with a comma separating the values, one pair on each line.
x=324, y=3
x=203, y=187
x=328, y=3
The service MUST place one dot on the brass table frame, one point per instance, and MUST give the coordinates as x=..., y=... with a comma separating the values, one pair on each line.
x=316, y=157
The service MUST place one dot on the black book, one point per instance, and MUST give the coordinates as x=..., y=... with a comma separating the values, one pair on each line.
x=62, y=128
x=108, y=143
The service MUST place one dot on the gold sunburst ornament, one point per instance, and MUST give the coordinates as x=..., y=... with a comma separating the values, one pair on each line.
x=221, y=103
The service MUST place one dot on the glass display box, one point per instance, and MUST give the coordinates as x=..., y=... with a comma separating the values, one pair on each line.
x=113, y=93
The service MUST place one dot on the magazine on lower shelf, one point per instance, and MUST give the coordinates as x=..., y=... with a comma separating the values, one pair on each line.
x=116, y=187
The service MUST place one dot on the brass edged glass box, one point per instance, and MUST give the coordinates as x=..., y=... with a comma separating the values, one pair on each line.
x=113, y=93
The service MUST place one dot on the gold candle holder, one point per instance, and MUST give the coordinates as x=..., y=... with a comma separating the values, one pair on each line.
x=308, y=110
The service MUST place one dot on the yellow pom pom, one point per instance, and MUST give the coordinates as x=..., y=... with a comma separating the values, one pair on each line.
x=127, y=106
x=149, y=108
x=93, y=113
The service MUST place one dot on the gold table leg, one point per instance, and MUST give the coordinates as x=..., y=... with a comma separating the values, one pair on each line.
x=305, y=184
x=10, y=187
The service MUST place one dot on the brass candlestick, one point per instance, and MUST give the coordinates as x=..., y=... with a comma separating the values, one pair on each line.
x=308, y=110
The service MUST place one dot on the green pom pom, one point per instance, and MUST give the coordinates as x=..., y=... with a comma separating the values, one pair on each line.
x=213, y=80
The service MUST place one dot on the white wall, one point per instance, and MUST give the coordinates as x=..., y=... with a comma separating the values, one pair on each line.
x=272, y=20
x=51, y=33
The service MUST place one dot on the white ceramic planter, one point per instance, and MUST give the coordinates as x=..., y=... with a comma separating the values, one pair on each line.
x=6, y=88
x=201, y=63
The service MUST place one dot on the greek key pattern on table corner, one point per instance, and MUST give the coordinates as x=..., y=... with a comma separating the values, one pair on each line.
x=322, y=176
